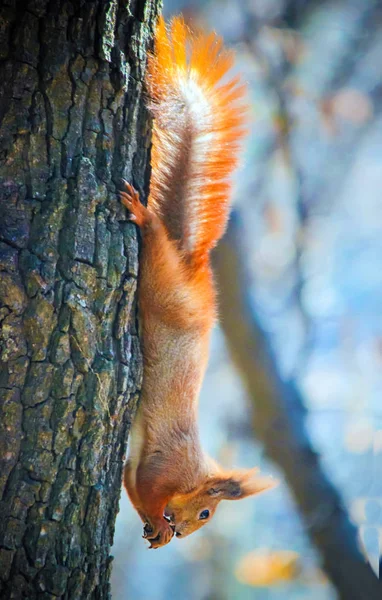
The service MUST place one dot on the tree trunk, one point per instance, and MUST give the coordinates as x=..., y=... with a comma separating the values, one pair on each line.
x=72, y=124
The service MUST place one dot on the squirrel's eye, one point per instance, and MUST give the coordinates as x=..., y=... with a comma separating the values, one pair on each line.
x=204, y=515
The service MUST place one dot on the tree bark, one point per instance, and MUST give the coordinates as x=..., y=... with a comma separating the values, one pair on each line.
x=279, y=423
x=72, y=123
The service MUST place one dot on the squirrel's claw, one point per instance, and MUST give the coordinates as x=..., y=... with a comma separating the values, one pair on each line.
x=158, y=534
x=147, y=530
x=130, y=199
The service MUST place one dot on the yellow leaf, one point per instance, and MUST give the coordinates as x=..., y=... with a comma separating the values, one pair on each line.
x=262, y=568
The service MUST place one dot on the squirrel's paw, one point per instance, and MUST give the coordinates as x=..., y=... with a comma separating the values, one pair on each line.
x=158, y=532
x=130, y=198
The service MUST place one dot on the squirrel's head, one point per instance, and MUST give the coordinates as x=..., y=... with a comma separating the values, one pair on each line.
x=190, y=511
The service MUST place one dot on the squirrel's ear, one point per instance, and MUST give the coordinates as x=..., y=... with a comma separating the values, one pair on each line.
x=240, y=484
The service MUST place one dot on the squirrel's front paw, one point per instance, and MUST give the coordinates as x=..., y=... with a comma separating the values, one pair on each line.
x=130, y=198
x=158, y=532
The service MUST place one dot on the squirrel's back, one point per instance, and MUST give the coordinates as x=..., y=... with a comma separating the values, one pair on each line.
x=198, y=125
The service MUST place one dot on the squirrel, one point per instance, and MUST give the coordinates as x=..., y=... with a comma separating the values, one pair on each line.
x=198, y=123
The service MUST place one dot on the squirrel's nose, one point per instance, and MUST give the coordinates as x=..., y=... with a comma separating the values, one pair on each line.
x=178, y=534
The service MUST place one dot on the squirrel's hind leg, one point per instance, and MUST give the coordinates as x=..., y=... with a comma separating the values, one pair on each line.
x=165, y=286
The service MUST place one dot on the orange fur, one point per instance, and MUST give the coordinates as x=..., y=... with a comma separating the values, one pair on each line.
x=198, y=123
x=198, y=126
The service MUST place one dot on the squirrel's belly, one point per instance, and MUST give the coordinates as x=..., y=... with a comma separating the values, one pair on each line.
x=136, y=443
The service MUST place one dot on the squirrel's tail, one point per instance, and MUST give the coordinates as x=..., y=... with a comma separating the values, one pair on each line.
x=198, y=124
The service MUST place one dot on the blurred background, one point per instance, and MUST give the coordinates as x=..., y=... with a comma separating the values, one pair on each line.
x=306, y=239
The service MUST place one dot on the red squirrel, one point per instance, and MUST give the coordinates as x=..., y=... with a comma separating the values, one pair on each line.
x=198, y=125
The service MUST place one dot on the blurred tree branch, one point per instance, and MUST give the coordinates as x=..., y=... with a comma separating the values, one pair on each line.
x=277, y=68
x=279, y=424
x=275, y=77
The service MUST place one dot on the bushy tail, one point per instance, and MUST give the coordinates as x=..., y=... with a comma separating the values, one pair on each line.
x=198, y=124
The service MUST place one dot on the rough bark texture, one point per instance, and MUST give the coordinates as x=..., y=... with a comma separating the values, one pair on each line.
x=279, y=423
x=72, y=124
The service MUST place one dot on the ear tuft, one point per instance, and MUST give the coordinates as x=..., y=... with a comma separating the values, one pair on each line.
x=260, y=484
